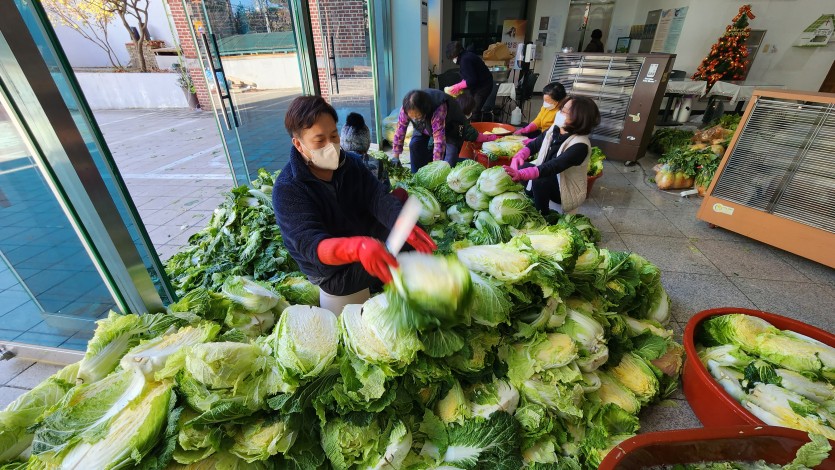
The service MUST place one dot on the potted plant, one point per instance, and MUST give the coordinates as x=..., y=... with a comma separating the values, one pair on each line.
x=185, y=82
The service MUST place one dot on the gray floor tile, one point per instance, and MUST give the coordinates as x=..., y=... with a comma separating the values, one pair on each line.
x=626, y=198
x=612, y=241
x=597, y=216
x=689, y=225
x=815, y=272
x=10, y=368
x=692, y=293
x=752, y=260
x=810, y=303
x=670, y=254
x=9, y=394
x=34, y=375
x=668, y=415
x=642, y=222
x=669, y=201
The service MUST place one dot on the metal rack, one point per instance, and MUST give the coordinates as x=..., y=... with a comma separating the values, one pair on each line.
x=776, y=182
x=627, y=88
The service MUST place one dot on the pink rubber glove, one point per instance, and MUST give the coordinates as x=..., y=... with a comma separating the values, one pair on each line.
x=525, y=174
x=486, y=138
x=456, y=89
x=526, y=130
x=527, y=141
x=520, y=158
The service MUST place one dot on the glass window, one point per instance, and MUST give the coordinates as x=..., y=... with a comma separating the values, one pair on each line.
x=51, y=291
x=478, y=23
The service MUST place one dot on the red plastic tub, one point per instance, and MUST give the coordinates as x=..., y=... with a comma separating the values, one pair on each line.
x=471, y=149
x=710, y=402
x=775, y=445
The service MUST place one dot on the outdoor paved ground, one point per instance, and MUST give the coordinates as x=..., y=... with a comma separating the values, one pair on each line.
x=174, y=166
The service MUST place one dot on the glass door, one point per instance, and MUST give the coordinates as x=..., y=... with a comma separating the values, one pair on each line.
x=343, y=38
x=72, y=246
x=248, y=50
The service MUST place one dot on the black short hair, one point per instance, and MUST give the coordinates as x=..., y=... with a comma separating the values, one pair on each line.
x=555, y=90
x=303, y=113
x=418, y=100
x=466, y=102
x=596, y=34
x=584, y=115
x=454, y=49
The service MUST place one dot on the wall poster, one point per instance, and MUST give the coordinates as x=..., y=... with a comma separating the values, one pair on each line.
x=818, y=34
x=513, y=33
x=668, y=30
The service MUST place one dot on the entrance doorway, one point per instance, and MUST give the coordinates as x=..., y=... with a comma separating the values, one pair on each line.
x=249, y=54
x=599, y=17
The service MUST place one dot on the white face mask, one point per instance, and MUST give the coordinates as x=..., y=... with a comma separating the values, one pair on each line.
x=326, y=158
x=455, y=60
x=559, y=119
x=548, y=105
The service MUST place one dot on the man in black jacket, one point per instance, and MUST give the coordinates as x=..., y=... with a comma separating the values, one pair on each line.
x=333, y=213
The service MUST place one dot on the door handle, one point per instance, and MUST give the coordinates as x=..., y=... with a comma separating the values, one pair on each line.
x=223, y=96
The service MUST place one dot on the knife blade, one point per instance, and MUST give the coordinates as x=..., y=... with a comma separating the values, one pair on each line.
x=406, y=221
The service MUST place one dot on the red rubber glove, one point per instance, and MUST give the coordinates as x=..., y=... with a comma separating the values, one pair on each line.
x=368, y=251
x=421, y=241
x=486, y=138
x=400, y=194
x=520, y=158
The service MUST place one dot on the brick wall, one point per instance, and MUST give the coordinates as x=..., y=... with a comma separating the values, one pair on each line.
x=189, y=51
x=347, y=21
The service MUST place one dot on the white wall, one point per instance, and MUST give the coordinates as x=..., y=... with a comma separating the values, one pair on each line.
x=550, y=8
x=267, y=71
x=83, y=53
x=799, y=68
x=410, y=56
x=132, y=90
x=795, y=67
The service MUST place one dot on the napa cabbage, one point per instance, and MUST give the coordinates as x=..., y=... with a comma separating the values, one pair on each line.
x=432, y=175
x=460, y=214
x=305, y=341
x=476, y=199
x=464, y=176
x=494, y=181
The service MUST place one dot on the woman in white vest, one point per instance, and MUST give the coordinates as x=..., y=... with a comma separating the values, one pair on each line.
x=558, y=173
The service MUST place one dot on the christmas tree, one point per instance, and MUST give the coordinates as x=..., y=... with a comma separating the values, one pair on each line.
x=727, y=58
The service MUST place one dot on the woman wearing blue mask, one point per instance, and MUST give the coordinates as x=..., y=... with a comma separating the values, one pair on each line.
x=332, y=212
x=558, y=173
x=431, y=113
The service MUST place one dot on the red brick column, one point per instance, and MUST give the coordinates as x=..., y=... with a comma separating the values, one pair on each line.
x=190, y=51
x=316, y=23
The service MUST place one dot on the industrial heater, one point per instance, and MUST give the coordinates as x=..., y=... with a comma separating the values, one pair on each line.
x=628, y=89
x=776, y=182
